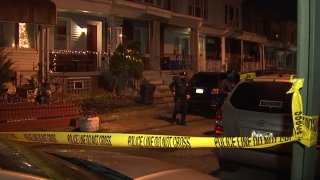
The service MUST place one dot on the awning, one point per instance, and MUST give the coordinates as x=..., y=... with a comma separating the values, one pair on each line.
x=28, y=11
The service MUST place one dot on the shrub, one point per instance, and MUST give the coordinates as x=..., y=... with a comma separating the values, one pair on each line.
x=6, y=71
x=126, y=66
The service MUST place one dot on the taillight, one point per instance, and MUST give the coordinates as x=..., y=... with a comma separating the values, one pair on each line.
x=215, y=91
x=219, y=127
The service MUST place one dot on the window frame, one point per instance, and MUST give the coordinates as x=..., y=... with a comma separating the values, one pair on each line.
x=66, y=35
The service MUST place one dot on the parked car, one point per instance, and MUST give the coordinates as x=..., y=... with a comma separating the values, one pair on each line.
x=257, y=107
x=205, y=96
x=19, y=161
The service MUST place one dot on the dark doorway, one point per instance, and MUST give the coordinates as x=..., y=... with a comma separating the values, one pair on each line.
x=92, y=47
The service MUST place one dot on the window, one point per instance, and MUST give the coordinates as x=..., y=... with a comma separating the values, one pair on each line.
x=198, y=8
x=256, y=25
x=61, y=39
x=275, y=29
x=118, y=36
x=78, y=85
x=213, y=48
x=21, y=35
x=231, y=16
x=190, y=7
x=251, y=52
x=159, y=3
x=141, y=38
x=233, y=46
x=259, y=96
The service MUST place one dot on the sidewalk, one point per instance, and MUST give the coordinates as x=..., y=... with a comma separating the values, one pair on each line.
x=133, y=124
x=134, y=120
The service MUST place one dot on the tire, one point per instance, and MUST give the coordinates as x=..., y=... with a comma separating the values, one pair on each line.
x=228, y=166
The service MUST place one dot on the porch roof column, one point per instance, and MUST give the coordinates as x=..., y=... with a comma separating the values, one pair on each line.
x=155, y=45
x=194, y=41
x=113, y=40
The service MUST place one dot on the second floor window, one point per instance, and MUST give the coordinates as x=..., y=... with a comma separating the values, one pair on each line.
x=275, y=31
x=61, y=41
x=198, y=8
x=256, y=25
x=231, y=16
x=157, y=3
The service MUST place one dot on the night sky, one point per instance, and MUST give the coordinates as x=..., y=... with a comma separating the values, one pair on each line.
x=288, y=8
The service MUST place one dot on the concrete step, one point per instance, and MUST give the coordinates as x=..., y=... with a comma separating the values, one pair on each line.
x=155, y=82
x=154, y=77
x=163, y=87
x=163, y=94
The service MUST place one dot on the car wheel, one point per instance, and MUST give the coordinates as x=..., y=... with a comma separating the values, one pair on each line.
x=228, y=165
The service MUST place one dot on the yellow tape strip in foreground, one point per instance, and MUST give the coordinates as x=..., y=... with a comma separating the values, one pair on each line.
x=145, y=140
x=305, y=127
x=305, y=131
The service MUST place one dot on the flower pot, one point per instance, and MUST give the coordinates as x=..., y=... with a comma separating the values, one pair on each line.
x=89, y=124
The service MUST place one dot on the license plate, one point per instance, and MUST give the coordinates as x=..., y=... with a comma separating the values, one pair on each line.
x=199, y=91
x=255, y=133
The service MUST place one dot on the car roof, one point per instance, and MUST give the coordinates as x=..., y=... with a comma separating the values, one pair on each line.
x=273, y=77
x=209, y=73
x=133, y=166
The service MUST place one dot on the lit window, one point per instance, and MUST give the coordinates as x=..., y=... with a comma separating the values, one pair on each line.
x=20, y=35
x=78, y=85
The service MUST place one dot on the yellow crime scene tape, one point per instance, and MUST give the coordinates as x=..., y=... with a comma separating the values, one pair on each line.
x=247, y=76
x=305, y=131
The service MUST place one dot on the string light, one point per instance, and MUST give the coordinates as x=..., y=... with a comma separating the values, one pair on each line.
x=23, y=36
x=129, y=54
x=77, y=52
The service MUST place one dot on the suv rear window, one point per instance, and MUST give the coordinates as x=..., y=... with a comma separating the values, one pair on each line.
x=203, y=78
x=268, y=97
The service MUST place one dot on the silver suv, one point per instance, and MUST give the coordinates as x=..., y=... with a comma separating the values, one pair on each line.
x=257, y=107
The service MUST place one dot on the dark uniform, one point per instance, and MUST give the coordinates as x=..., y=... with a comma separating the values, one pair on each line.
x=225, y=87
x=181, y=93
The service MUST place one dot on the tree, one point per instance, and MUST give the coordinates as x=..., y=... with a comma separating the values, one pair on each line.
x=6, y=71
x=126, y=66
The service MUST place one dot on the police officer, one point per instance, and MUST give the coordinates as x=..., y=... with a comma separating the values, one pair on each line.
x=180, y=90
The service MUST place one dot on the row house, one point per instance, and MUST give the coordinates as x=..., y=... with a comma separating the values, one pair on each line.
x=172, y=35
x=280, y=49
x=24, y=26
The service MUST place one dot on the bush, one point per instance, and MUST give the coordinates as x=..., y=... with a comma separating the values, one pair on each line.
x=6, y=71
x=126, y=66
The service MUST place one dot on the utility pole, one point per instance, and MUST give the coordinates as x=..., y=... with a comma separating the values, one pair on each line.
x=308, y=67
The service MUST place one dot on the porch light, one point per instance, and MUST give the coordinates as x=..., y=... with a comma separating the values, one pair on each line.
x=83, y=31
